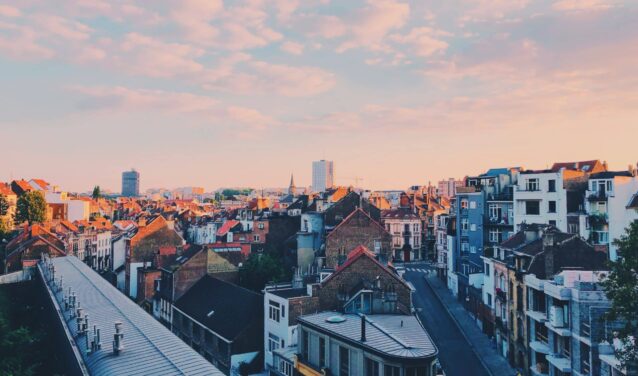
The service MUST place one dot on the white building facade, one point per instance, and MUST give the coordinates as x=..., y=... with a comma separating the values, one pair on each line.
x=322, y=175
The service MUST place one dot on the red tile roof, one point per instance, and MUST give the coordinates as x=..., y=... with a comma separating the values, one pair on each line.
x=226, y=227
x=5, y=189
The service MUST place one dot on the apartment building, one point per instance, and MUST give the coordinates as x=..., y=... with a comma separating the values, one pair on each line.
x=566, y=323
x=607, y=202
x=405, y=227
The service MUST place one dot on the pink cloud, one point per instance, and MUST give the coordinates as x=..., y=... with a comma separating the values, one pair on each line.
x=423, y=40
x=372, y=23
x=9, y=11
x=292, y=48
x=582, y=5
x=204, y=108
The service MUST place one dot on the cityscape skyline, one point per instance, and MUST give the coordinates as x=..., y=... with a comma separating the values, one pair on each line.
x=113, y=184
x=479, y=82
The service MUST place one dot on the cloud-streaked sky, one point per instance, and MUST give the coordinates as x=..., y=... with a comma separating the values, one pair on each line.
x=242, y=93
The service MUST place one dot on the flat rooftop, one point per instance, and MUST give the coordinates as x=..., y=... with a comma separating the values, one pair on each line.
x=400, y=336
x=149, y=347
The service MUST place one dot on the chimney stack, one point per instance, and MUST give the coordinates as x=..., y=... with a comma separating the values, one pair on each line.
x=363, y=328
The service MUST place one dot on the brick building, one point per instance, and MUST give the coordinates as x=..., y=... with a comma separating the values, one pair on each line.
x=357, y=229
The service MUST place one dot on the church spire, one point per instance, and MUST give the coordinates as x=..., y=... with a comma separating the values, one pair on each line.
x=291, y=187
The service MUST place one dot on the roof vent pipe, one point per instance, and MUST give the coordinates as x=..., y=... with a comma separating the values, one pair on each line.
x=363, y=328
x=118, y=338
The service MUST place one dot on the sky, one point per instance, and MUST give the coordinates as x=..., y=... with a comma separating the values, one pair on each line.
x=219, y=93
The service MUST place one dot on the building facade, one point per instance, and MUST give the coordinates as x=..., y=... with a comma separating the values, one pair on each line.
x=130, y=183
x=322, y=175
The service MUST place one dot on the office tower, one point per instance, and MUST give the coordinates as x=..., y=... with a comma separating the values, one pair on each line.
x=130, y=183
x=322, y=175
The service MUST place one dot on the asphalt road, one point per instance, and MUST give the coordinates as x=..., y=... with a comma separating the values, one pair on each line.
x=455, y=354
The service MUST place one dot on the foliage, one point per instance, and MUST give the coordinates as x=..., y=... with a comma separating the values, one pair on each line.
x=620, y=287
x=16, y=345
x=4, y=205
x=31, y=207
x=260, y=269
x=96, y=192
x=229, y=192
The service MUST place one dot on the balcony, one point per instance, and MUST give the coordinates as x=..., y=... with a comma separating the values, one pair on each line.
x=500, y=294
x=559, y=292
x=540, y=369
x=305, y=368
x=598, y=219
x=598, y=195
x=500, y=197
x=500, y=324
x=540, y=344
x=561, y=363
x=538, y=316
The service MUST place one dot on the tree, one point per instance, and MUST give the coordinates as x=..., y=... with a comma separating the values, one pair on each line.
x=260, y=269
x=96, y=192
x=31, y=208
x=620, y=287
x=4, y=205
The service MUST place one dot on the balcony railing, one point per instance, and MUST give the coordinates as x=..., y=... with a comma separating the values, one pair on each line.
x=598, y=196
x=500, y=294
x=540, y=337
x=585, y=329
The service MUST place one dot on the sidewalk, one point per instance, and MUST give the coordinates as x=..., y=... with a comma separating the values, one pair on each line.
x=496, y=364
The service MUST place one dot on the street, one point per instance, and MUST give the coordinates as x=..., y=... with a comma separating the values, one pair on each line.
x=455, y=353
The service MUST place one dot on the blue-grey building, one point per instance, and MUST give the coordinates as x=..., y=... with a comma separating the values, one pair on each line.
x=484, y=217
x=130, y=183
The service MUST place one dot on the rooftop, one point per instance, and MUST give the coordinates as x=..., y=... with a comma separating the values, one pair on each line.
x=207, y=302
x=149, y=348
x=287, y=293
x=400, y=336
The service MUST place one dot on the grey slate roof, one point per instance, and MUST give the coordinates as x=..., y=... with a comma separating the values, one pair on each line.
x=149, y=347
x=384, y=333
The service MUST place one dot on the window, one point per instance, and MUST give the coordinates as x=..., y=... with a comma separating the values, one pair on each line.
x=344, y=361
x=495, y=212
x=552, y=222
x=495, y=235
x=487, y=269
x=464, y=224
x=489, y=299
x=472, y=249
x=551, y=185
x=285, y=367
x=416, y=371
x=389, y=370
x=572, y=228
x=372, y=367
x=273, y=342
x=305, y=345
x=256, y=238
x=472, y=204
x=283, y=311
x=322, y=352
x=260, y=225
x=531, y=184
x=532, y=208
x=273, y=311
x=465, y=247
x=473, y=227
x=464, y=203
x=552, y=207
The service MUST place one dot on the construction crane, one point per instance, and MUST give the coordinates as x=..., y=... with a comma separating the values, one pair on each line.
x=356, y=180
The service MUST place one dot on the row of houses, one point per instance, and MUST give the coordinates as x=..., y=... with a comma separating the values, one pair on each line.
x=513, y=237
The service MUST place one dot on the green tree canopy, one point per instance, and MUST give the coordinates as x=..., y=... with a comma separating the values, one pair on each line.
x=31, y=207
x=260, y=269
x=621, y=287
x=96, y=192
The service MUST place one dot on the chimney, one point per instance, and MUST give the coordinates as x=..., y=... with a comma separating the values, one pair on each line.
x=549, y=239
x=118, y=338
x=363, y=328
